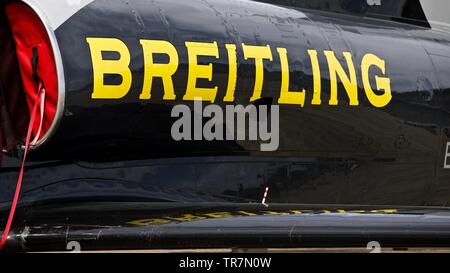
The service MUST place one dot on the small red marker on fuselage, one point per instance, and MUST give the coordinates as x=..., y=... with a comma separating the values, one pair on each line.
x=265, y=196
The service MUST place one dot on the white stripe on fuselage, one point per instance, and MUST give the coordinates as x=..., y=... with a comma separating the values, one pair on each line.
x=58, y=11
x=436, y=12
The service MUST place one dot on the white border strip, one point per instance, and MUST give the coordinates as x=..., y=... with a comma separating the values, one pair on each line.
x=58, y=11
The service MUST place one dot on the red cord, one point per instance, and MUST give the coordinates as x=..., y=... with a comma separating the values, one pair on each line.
x=39, y=101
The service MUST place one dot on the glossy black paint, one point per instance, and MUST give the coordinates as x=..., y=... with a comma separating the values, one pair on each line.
x=406, y=11
x=105, y=226
x=111, y=129
x=227, y=179
x=392, y=155
x=367, y=151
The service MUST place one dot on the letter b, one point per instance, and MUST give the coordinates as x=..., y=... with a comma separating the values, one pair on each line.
x=103, y=67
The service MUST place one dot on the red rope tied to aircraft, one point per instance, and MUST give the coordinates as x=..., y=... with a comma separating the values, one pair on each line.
x=39, y=102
